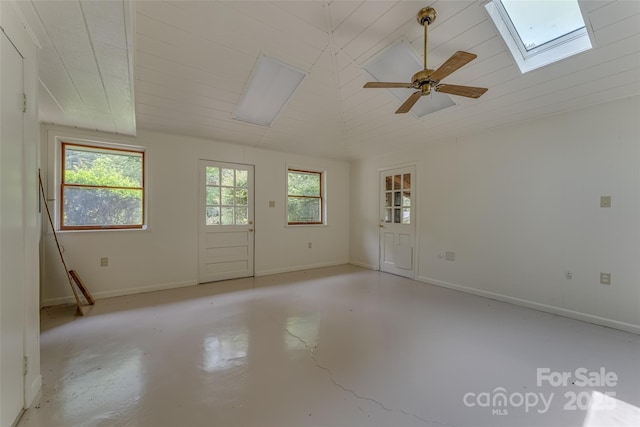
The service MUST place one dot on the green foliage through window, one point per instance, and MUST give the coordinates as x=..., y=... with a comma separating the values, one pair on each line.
x=305, y=198
x=227, y=192
x=101, y=188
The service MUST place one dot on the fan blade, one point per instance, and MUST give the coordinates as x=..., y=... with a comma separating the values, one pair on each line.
x=468, y=91
x=388, y=85
x=409, y=102
x=457, y=60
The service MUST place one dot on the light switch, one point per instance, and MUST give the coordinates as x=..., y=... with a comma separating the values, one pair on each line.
x=605, y=201
x=450, y=256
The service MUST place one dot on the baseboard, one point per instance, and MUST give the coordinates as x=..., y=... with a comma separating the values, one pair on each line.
x=269, y=272
x=129, y=291
x=589, y=318
x=118, y=292
x=364, y=265
x=33, y=391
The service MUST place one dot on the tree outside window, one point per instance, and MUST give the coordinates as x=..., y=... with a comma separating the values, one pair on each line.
x=101, y=188
x=305, y=197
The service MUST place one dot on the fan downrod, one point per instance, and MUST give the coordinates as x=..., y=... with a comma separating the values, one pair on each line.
x=426, y=14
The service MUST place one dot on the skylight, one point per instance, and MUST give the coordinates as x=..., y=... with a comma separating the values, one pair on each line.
x=270, y=87
x=398, y=63
x=539, y=33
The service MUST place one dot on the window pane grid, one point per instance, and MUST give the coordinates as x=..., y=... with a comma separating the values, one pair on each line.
x=397, y=199
x=102, y=186
x=226, y=196
x=304, y=197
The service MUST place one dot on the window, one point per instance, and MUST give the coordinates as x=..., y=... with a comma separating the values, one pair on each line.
x=397, y=199
x=101, y=188
x=304, y=197
x=540, y=33
x=227, y=196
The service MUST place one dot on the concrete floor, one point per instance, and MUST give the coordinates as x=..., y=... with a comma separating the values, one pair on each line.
x=339, y=346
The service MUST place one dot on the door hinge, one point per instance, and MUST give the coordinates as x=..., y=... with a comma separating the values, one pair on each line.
x=26, y=365
x=24, y=102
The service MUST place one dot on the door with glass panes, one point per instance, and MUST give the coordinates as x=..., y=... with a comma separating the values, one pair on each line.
x=225, y=221
x=397, y=221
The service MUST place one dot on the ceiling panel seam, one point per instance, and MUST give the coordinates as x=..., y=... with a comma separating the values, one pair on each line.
x=64, y=66
x=333, y=47
x=95, y=59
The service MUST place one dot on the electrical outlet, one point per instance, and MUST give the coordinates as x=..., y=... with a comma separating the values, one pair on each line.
x=568, y=275
x=605, y=278
x=309, y=245
x=605, y=201
x=450, y=256
x=104, y=262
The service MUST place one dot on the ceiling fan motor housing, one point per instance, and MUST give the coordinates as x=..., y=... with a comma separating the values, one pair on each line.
x=421, y=77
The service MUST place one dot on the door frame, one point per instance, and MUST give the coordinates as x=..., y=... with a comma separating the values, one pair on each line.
x=13, y=229
x=14, y=26
x=201, y=204
x=414, y=208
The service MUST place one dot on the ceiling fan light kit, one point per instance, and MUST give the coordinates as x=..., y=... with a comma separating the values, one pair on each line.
x=427, y=79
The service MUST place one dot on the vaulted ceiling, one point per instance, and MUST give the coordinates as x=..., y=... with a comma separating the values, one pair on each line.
x=193, y=60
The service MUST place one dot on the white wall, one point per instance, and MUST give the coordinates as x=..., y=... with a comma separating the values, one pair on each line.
x=519, y=206
x=165, y=255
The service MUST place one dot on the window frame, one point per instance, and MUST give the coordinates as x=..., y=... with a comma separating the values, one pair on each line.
x=104, y=146
x=321, y=197
x=548, y=45
x=548, y=53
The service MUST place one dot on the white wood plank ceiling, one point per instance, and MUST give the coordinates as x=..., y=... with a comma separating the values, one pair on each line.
x=85, y=62
x=193, y=60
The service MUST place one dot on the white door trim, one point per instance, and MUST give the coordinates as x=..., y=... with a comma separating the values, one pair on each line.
x=225, y=251
x=13, y=226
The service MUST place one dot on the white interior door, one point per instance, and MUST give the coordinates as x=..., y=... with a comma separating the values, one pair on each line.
x=225, y=221
x=397, y=221
x=12, y=235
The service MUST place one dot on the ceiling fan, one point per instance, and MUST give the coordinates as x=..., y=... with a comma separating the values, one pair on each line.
x=426, y=79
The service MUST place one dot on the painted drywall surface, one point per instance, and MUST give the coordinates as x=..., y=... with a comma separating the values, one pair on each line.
x=520, y=206
x=166, y=255
x=285, y=248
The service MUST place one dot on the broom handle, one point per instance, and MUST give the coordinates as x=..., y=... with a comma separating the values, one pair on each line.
x=55, y=236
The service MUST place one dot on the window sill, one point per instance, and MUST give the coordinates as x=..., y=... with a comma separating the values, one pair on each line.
x=103, y=230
